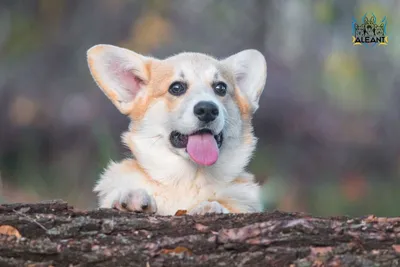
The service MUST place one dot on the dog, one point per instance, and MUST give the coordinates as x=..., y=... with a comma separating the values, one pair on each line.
x=190, y=135
x=370, y=30
x=360, y=30
x=379, y=31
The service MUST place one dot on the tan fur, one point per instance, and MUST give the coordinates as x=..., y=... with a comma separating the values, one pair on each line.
x=230, y=206
x=97, y=76
x=159, y=81
x=242, y=180
x=242, y=103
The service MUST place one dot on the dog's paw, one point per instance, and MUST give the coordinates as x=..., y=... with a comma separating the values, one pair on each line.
x=135, y=200
x=208, y=207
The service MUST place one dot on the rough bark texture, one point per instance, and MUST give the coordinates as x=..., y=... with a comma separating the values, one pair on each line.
x=54, y=234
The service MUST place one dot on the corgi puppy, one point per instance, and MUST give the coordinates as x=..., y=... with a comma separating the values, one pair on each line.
x=190, y=135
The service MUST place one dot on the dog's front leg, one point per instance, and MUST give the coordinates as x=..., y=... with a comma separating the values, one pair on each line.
x=239, y=196
x=123, y=186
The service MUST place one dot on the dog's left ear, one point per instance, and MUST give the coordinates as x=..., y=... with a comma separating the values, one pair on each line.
x=250, y=71
x=120, y=73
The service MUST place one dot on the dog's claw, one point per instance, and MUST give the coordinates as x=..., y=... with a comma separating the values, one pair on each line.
x=136, y=201
x=208, y=207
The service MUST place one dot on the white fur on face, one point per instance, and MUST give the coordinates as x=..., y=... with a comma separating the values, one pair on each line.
x=200, y=89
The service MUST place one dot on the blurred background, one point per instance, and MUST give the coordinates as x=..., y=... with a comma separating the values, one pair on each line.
x=328, y=125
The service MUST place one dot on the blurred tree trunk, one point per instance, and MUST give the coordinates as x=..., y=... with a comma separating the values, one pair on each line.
x=261, y=15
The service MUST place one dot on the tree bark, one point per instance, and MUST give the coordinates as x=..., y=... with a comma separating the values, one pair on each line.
x=54, y=234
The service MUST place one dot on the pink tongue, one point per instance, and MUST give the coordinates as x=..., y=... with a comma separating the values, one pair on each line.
x=203, y=149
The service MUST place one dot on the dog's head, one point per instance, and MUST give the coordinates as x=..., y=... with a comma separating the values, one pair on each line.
x=188, y=107
x=360, y=30
x=369, y=29
x=379, y=30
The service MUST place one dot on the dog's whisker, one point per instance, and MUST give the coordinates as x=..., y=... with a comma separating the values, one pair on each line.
x=148, y=137
x=230, y=122
x=155, y=141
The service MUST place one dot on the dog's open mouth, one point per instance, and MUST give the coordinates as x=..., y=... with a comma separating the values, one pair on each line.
x=202, y=146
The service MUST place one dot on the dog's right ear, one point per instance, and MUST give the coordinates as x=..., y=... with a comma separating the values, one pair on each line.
x=120, y=73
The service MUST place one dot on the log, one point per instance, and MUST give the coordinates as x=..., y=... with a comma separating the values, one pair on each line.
x=55, y=234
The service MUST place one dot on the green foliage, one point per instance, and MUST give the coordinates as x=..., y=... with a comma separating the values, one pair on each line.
x=25, y=37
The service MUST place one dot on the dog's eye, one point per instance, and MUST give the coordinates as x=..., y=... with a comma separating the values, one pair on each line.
x=177, y=88
x=220, y=88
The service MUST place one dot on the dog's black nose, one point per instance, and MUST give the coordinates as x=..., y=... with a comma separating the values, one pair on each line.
x=206, y=111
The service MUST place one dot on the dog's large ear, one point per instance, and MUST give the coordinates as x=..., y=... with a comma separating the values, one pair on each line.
x=250, y=71
x=120, y=73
